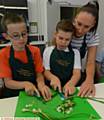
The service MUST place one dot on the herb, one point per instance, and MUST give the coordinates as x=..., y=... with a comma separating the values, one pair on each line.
x=66, y=107
x=100, y=100
x=38, y=111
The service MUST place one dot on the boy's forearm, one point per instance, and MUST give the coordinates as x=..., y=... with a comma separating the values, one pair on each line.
x=75, y=77
x=48, y=75
x=40, y=79
x=9, y=83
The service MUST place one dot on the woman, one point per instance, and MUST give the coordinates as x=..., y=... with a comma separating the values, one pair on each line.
x=86, y=39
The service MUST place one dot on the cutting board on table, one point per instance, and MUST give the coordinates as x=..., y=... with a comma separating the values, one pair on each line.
x=82, y=109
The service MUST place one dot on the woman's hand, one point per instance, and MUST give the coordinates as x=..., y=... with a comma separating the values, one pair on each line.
x=87, y=88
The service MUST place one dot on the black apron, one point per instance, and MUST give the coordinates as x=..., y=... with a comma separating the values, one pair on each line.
x=61, y=64
x=83, y=48
x=20, y=71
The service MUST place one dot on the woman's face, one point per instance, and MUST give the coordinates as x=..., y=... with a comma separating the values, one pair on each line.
x=83, y=22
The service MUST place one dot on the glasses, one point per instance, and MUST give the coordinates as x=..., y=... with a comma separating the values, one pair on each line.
x=17, y=36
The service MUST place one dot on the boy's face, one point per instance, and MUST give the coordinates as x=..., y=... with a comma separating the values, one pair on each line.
x=17, y=33
x=62, y=39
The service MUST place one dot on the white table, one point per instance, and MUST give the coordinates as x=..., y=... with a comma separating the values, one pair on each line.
x=8, y=105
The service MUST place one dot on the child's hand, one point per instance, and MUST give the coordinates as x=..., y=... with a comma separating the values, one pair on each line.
x=30, y=88
x=68, y=89
x=55, y=83
x=45, y=91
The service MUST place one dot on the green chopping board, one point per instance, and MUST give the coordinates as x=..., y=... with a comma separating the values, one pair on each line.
x=101, y=80
x=82, y=110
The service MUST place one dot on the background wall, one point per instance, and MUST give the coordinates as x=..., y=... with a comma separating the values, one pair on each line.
x=38, y=13
x=101, y=23
x=47, y=16
x=53, y=16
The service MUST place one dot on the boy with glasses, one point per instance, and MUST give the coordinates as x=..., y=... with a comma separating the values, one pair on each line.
x=21, y=64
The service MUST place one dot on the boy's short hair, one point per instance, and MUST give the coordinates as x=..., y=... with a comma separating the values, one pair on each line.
x=9, y=18
x=65, y=25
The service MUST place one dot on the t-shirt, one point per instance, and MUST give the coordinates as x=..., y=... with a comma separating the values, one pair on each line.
x=47, y=54
x=91, y=40
x=100, y=59
x=5, y=70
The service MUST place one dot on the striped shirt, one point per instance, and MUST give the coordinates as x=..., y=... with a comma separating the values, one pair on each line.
x=91, y=40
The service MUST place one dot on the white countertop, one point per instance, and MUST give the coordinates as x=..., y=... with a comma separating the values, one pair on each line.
x=8, y=105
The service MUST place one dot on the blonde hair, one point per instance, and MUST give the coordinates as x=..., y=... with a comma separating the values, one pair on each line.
x=9, y=18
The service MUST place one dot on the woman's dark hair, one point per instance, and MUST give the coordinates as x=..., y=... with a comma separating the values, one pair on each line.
x=91, y=7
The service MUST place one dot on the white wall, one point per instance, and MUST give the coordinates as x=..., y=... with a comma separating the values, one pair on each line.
x=101, y=23
x=38, y=13
x=53, y=16
x=73, y=2
x=47, y=17
x=53, y=13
